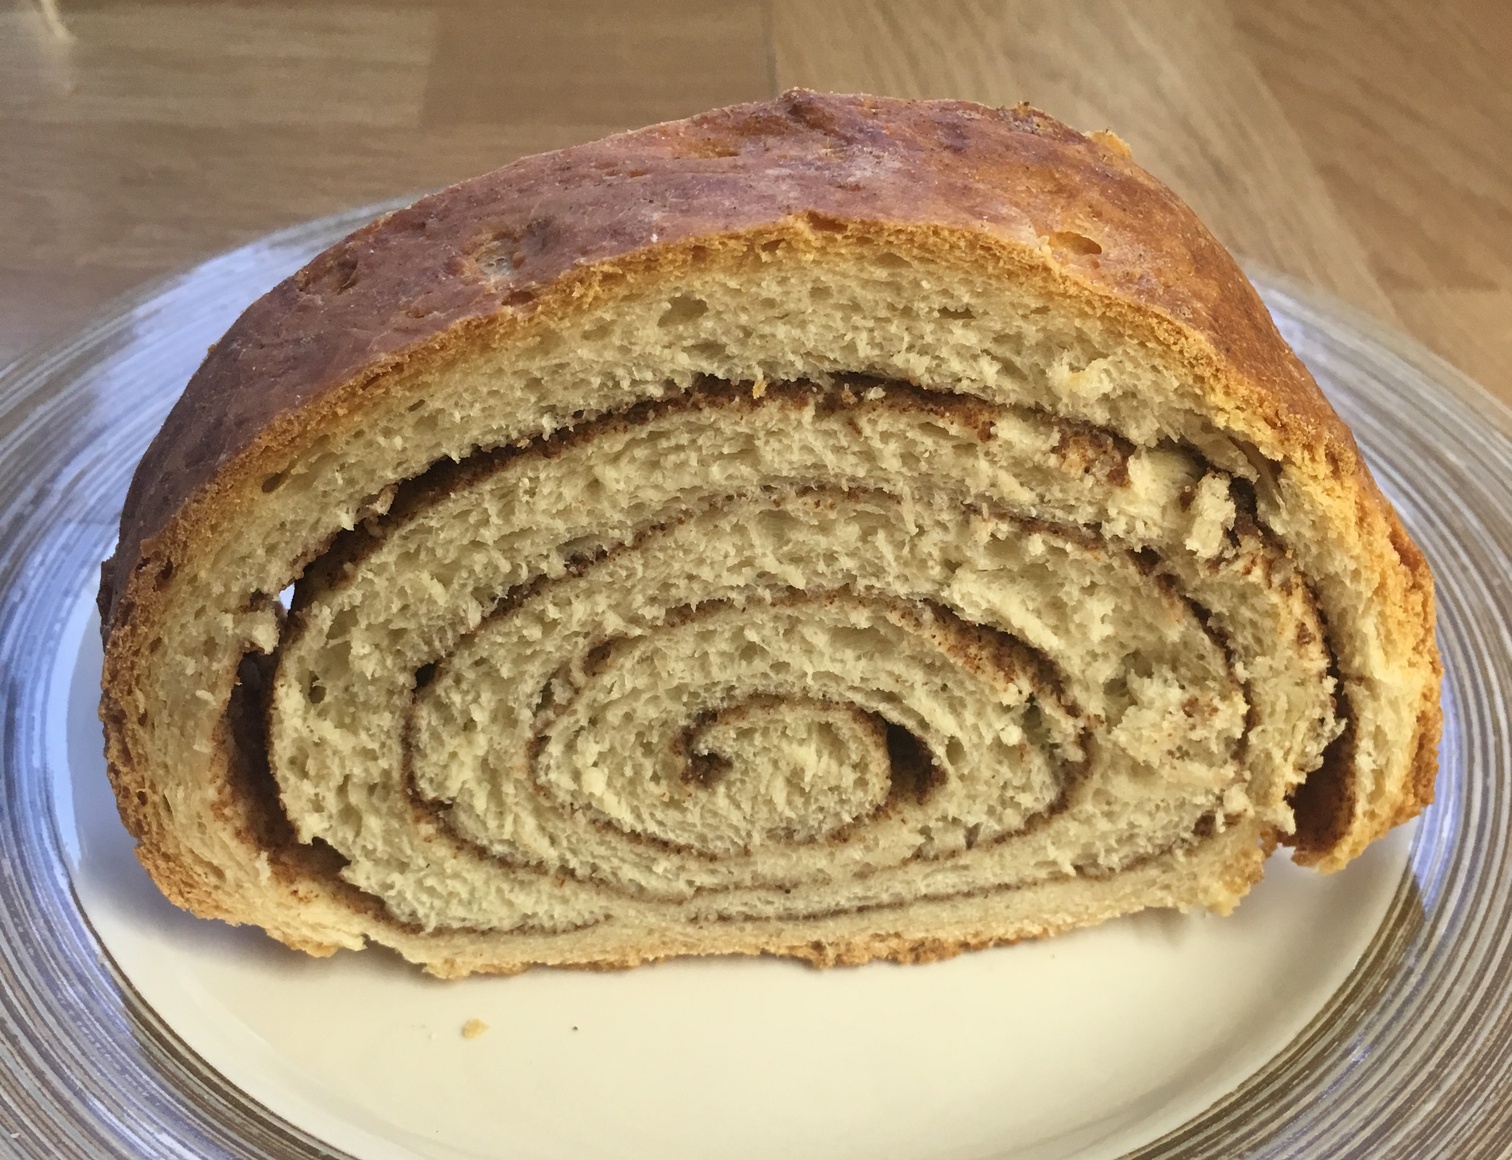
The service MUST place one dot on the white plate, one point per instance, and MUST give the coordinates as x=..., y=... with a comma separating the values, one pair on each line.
x=1359, y=1014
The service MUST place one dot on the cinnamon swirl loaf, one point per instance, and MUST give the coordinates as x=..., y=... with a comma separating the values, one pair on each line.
x=835, y=527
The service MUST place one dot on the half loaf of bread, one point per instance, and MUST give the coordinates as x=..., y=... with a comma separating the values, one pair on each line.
x=835, y=527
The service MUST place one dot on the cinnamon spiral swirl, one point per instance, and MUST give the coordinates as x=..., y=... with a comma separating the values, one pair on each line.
x=682, y=566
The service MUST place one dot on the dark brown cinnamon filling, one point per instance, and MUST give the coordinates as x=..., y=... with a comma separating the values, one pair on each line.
x=914, y=769
x=1321, y=803
x=1090, y=448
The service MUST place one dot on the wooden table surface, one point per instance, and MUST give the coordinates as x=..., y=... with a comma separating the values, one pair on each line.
x=1364, y=146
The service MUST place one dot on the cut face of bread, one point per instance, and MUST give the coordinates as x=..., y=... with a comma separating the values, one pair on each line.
x=840, y=528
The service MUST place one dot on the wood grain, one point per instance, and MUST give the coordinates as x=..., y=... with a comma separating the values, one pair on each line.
x=601, y=62
x=340, y=65
x=1364, y=146
x=1405, y=110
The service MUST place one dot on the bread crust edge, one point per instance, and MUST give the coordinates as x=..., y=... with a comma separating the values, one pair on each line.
x=1216, y=326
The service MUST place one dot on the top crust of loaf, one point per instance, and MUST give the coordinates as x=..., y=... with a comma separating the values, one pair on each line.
x=520, y=239
x=552, y=234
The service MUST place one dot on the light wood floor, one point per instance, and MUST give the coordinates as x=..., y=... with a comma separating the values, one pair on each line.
x=1362, y=145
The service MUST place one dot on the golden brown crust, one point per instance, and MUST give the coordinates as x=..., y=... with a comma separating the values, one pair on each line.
x=1006, y=188
x=417, y=281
